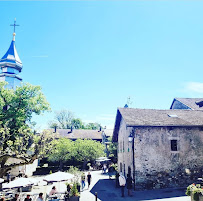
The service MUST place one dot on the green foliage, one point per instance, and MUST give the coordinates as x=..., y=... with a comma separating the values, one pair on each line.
x=93, y=126
x=112, y=148
x=87, y=150
x=74, y=190
x=77, y=124
x=188, y=191
x=62, y=150
x=74, y=170
x=195, y=191
x=17, y=139
x=79, y=150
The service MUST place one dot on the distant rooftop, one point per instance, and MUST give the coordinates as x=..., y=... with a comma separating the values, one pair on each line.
x=82, y=133
x=191, y=103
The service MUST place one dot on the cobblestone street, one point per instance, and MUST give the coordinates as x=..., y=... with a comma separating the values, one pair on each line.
x=106, y=191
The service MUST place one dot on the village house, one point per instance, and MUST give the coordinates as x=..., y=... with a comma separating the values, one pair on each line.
x=74, y=134
x=160, y=148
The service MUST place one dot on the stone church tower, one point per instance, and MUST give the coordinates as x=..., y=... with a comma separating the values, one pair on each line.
x=11, y=65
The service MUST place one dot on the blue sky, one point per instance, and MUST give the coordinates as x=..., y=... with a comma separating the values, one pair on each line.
x=89, y=56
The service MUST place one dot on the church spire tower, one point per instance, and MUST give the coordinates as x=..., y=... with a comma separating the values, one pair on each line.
x=11, y=65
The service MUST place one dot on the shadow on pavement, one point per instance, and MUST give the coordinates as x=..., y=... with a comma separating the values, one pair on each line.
x=107, y=191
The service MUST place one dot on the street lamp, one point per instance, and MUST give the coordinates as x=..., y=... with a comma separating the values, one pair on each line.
x=131, y=139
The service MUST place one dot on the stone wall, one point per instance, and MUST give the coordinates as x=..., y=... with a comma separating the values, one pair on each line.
x=156, y=165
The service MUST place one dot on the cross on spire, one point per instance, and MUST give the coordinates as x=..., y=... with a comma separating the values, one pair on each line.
x=14, y=25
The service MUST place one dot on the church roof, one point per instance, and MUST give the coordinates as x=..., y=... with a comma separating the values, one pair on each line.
x=11, y=57
x=192, y=103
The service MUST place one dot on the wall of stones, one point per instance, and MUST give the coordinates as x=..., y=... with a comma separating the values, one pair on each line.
x=156, y=166
x=159, y=167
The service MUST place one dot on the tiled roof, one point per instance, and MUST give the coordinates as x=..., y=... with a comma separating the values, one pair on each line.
x=79, y=134
x=152, y=117
x=191, y=102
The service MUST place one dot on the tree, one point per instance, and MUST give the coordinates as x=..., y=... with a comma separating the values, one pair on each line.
x=93, y=126
x=80, y=151
x=87, y=150
x=112, y=149
x=17, y=139
x=63, y=119
x=61, y=152
x=77, y=124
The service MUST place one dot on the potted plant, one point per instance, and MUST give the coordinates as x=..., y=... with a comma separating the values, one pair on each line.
x=74, y=194
x=195, y=191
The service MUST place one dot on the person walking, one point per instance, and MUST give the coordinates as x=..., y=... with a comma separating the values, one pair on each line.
x=16, y=198
x=28, y=198
x=40, y=198
x=8, y=176
x=129, y=182
x=89, y=178
x=122, y=182
x=83, y=180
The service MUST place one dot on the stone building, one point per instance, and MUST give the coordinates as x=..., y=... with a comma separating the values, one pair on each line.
x=160, y=148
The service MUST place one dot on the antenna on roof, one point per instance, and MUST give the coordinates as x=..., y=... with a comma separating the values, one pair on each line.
x=128, y=103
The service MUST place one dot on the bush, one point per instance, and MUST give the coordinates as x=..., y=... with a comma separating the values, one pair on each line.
x=74, y=190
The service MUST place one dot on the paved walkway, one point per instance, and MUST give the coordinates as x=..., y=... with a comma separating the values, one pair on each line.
x=106, y=190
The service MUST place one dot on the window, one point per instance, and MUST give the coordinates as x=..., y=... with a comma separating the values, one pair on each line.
x=174, y=146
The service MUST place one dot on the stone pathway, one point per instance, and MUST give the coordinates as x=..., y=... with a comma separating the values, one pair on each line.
x=106, y=190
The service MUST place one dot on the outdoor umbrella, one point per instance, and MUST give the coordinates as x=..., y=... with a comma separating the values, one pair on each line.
x=18, y=183
x=58, y=176
x=102, y=159
x=1, y=180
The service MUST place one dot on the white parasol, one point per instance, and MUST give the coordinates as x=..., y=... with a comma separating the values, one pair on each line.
x=58, y=176
x=1, y=180
x=18, y=183
x=102, y=159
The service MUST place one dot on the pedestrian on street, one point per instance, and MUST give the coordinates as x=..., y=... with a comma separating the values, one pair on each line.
x=129, y=182
x=8, y=176
x=28, y=198
x=89, y=178
x=83, y=180
x=40, y=198
x=16, y=198
x=122, y=182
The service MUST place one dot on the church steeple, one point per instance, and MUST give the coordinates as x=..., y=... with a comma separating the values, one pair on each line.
x=11, y=65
